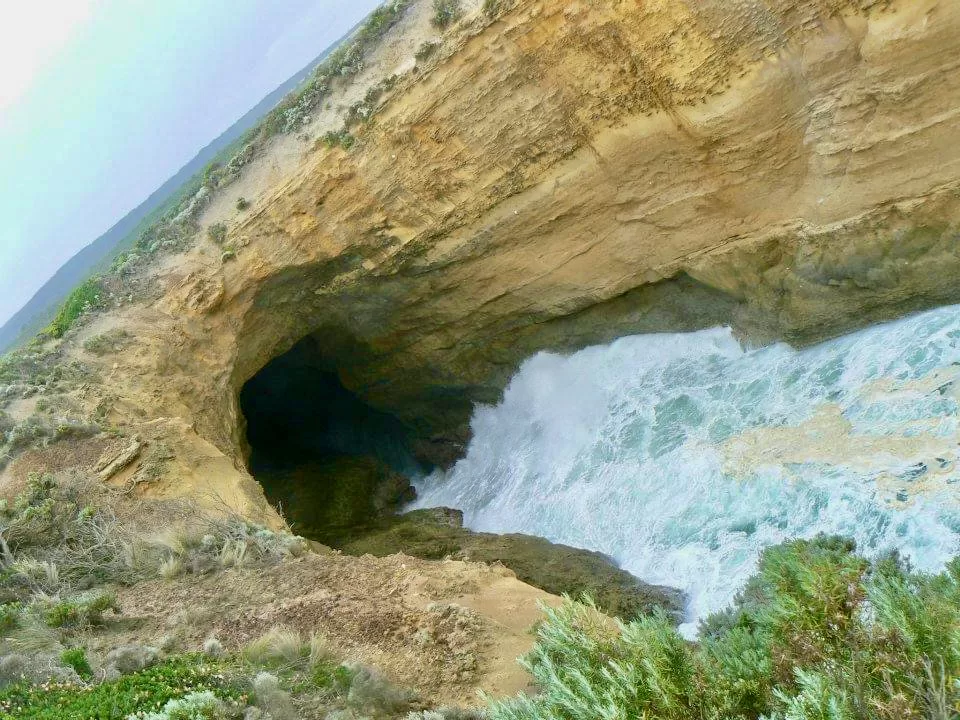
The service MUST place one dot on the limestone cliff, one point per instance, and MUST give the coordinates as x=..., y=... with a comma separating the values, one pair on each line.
x=576, y=171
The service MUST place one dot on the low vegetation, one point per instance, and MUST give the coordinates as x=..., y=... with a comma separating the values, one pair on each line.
x=364, y=110
x=446, y=12
x=182, y=680
x=341, y=138
x=39, y=430
x=217, y=233
x=426, y=50
x=494, y=8
x=294, y=112
x=41, y=373
x=57, y=544
x=818, y=634
x=173, y=227
x=88, y=296
x=63, y=552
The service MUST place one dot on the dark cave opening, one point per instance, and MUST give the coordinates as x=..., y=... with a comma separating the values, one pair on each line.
x=327, y=460
x=339, y=471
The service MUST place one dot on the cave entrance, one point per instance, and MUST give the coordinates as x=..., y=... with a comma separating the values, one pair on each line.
x=331, y=463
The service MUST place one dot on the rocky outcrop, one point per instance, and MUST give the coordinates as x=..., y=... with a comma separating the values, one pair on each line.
x=438, y=533
x=352, y=504
x=567, y=174
x=579, y=171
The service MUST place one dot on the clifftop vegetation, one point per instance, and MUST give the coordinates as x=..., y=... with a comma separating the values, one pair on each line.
x=818, y=634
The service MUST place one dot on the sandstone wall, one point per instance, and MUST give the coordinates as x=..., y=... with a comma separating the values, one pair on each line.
x=582, y=170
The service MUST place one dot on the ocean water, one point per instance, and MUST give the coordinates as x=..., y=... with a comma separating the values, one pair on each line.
x=683, y=455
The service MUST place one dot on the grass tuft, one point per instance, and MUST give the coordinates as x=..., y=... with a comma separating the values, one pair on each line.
x=278, y=646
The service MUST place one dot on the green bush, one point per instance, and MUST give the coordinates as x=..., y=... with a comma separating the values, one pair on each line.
x=88, y=296
x=446, y=12
x=343, y=139
x=217, y=233
x=195, y=706
x=54, y=525
x=76, y=658
x=9, y=612
x=818, y=634
x=242, y=204
x=82, y=611
x=143, y=691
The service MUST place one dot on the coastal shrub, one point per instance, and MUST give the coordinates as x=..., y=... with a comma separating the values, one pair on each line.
x=446, y=12
x=225, y=544
x=278, y=646
x=242, y=204
x=34, y=365
x=217, y=233
x=51, y=527
x=9, y=616
x=272, y=699
x=341, y=138
x=195, y=706
x=128, y=659
x=139, y=694
x=373, y=694
x=818, y=633
x=363, y=110
x=76, y=658
x=36, y=668
x=293, y=112
x=88, y=296
x=491, y=8
x=37, y=430
x=81, y=611
x=124, y=263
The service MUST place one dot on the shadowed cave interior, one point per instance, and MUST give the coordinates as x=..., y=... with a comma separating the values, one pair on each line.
x=328, y=461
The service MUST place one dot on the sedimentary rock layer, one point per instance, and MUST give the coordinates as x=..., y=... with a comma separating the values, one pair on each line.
x=577, y=171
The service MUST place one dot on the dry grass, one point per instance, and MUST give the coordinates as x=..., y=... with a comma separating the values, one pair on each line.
x=278, y=646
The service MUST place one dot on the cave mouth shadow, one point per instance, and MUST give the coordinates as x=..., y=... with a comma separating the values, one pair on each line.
x=328, y=461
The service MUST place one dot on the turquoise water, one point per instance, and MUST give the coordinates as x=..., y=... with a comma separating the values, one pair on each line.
x=683, y=455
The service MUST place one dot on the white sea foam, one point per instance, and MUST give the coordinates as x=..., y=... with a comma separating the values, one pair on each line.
x=683, y=455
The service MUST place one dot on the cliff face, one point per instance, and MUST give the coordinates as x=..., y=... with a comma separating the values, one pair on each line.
x=578, y=171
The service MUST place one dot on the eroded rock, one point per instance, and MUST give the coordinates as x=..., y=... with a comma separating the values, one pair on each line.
x=437, y=533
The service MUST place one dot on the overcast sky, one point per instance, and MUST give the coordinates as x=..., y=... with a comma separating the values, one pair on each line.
x=101, y=101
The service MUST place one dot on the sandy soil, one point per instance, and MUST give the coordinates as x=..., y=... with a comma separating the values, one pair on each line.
x=447, y=629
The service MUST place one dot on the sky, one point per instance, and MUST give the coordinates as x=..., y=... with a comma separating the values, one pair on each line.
x=101, y=101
